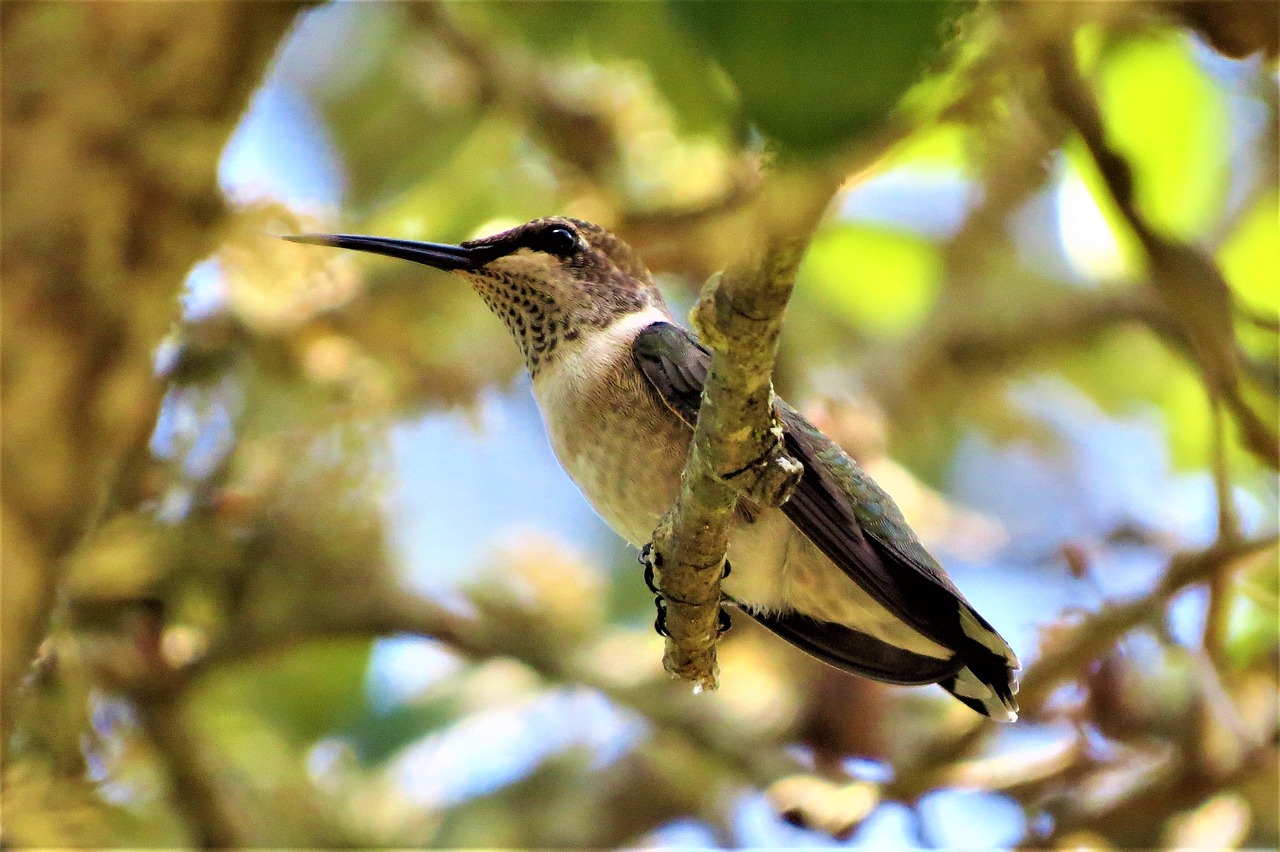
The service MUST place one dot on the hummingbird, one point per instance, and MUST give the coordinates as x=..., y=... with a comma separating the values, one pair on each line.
x=836, y=571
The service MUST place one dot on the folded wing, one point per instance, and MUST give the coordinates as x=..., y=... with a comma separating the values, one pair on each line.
x=860, y=529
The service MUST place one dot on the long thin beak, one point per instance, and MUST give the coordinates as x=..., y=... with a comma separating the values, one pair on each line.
x=437, y=255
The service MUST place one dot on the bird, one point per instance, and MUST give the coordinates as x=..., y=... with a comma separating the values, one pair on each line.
x=835, y=571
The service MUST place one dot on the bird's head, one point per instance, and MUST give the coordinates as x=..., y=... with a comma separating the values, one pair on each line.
x=550, y=280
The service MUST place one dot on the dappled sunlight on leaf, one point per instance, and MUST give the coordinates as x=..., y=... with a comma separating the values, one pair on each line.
x=1222, y=822
x=1189, y=118
x=823, y=806
x=880, y=280
x=539, y=586
x=1250, y=257
x=627, y=658
x=758, y=694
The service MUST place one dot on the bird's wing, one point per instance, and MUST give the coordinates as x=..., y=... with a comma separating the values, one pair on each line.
x=841, y=510
x=857, y=652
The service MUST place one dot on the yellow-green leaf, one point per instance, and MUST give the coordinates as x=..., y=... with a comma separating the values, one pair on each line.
x=1169, y=119
x=1250, y=258
x=879, y=279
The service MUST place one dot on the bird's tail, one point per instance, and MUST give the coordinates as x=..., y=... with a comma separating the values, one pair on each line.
x=988, y=682
x=990, y=698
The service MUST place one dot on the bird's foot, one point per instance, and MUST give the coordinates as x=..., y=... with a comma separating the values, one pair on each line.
x=660, y=623
x=650, y=559
x=725, y=621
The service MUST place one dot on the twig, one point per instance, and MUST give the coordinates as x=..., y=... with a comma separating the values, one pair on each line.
x=1228, y=530
x=1100, y=630
x=393, y=612
x=1186, y=280
x=936, y=764
x=1255, y=317
x=967, y=348
x=1139, y=803
x=737, y=441
x=193, y=789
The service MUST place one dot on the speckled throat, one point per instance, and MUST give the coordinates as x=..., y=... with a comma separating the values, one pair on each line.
x=539, y=321
x=546, y=300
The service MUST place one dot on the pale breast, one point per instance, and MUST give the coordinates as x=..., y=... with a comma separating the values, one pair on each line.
x=622, y=447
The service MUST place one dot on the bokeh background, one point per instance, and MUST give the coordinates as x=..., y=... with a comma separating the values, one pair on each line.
x=287, y=558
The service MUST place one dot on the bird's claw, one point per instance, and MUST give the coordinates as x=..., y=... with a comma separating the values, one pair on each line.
x=650, y=559
x=649, y=556
x=660, y=623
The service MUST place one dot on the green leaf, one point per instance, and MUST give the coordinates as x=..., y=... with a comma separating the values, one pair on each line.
x=813, y=75
x=638, y=30
x=1129, y=371
x=305, y=694
x=1250, y=258
x=389, y=126
x=937, y=148
x=1252, y=631
x=1165, y=115
x=879, y=279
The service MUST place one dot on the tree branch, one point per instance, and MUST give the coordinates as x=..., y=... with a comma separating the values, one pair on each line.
x=193, y=790
x=110, y=182
x=737, y=442
x=393, y=612
x=95, y=244
x=966, y=349
x=1101, y=630
x=1187, y=281
x=938, y=763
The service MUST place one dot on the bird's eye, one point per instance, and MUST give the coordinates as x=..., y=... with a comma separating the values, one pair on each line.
x=558, y=241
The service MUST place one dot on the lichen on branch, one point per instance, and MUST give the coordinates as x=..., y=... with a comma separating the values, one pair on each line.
x=737, y=451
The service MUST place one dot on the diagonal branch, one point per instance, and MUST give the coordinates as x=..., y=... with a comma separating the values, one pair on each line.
x=937, y=764
x=1100, y=631
x=388, y=612
x=93, y=264
x=1185, y=279
x=193, y=782
x=737, y=442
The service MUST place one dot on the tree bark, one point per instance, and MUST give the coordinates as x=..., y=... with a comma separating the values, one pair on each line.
x=114, y=117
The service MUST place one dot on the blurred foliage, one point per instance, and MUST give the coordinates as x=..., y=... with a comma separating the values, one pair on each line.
x=881, y=280
x=1190, y=112
x=826, y=71
x=209, y=503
